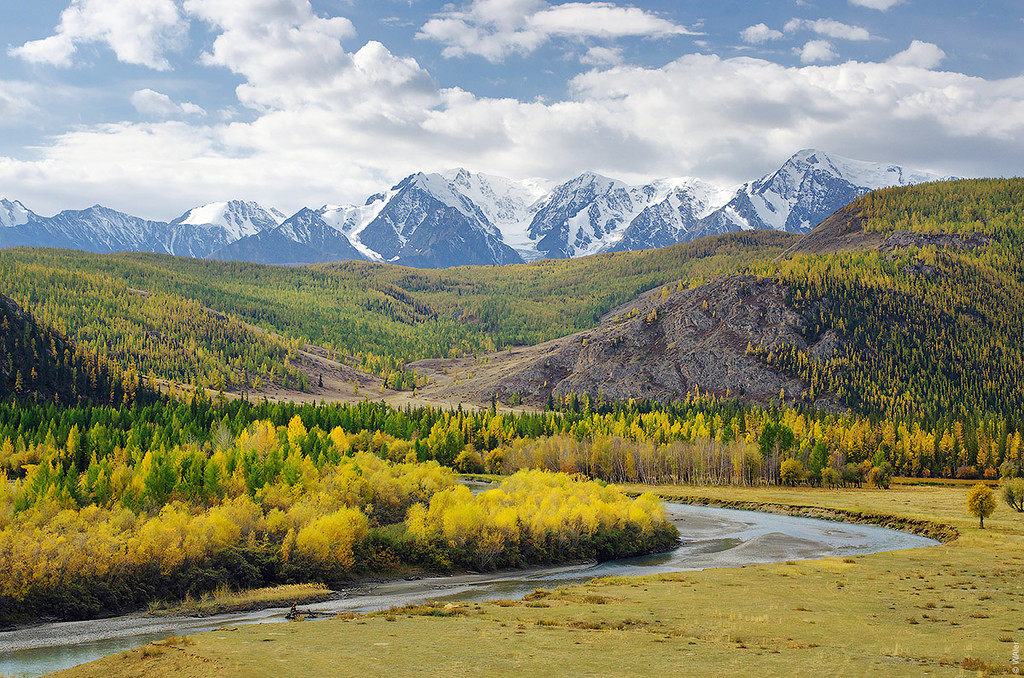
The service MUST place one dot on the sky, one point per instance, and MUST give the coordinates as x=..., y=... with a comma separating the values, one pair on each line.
x=156, y=106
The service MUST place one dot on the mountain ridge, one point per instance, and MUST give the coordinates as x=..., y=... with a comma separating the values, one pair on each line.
x=457, y=217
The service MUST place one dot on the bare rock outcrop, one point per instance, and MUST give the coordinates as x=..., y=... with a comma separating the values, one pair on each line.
x=663, y=346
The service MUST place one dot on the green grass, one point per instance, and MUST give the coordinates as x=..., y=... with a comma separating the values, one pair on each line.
x=949, y=610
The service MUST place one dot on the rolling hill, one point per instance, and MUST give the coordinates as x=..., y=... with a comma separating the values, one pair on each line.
x=237, y=326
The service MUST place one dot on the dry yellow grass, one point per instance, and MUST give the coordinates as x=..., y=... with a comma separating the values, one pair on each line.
x=950, y=610
x=226, y=600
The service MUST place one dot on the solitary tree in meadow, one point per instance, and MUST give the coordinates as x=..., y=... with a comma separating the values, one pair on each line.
x=981, y=502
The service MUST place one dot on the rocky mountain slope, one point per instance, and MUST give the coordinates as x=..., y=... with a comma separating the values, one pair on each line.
x=458, y=217
x=662, y=346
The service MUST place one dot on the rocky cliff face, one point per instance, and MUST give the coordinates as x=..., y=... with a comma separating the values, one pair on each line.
x=664, y=345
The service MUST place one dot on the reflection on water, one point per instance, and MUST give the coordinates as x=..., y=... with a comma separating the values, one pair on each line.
x=710, y=538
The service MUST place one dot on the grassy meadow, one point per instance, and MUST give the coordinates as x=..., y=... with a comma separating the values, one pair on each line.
x=948, y=610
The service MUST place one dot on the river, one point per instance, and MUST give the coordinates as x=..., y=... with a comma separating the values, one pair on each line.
x=711, y=537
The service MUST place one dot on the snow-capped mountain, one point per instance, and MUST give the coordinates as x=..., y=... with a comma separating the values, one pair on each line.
x=237, y=218
x=14, y=214
x=808, y=187
x=459, y=217
x=508, y=205
x=205, y=229
x=100, y=229
x=427, y=222
x=96, y=229
x=583, y=215
x=303, y=238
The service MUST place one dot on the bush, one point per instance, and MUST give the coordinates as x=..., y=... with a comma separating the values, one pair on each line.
x=496, y=461
x=830, y=477
x=881, y=476
x=536, y=517
x=1013, y=494
x=791, y=472
x=852, y=475
x=469, y=461
x=327, y=543
x=967, y=473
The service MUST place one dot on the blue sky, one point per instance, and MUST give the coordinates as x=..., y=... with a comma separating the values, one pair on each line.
x=153, y=106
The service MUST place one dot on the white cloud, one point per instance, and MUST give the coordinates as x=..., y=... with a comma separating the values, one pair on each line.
x=494, y=29
x=919, y=55
x=274, y=44
x=758, y=34
x=311, y=138
x=602, y=56
x=602, y=20
x=816, y=50
x=138, y=31
x=152, y=103
x=828, y=27
x=882, y=5
x=15, y=101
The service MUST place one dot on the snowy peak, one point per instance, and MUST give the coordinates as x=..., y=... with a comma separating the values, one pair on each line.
x=810, y=165
x=238, y=218
x=13, y=213
x=503, y=201
x=507, y=205
x=437, y=188
x=427, y=221
x=674, y=208
x=586, y=215
x=352, y=220
x=808, y=187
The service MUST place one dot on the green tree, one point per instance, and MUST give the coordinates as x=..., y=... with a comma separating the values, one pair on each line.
x=830, y=477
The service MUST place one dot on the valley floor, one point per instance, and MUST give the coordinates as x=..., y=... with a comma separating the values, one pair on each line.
x=464, y=381
x=948, y=610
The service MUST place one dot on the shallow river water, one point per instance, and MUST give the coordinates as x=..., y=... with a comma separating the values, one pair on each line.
x=711, y=537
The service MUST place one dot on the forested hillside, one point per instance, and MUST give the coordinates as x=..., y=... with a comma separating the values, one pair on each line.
x=187, y=320
x=39, y=363
x=930, y=319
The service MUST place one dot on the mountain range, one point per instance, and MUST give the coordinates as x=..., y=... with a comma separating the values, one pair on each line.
x=454, y=218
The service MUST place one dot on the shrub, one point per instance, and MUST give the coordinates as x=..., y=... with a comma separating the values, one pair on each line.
x=1013, y=494
x=791, y=472
x=852, y=475
x=881, y=476
x=469, y=461
x=496, y=461
x=967, y=473
x=328, y=541
x=830, y=477
x=536, y=517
